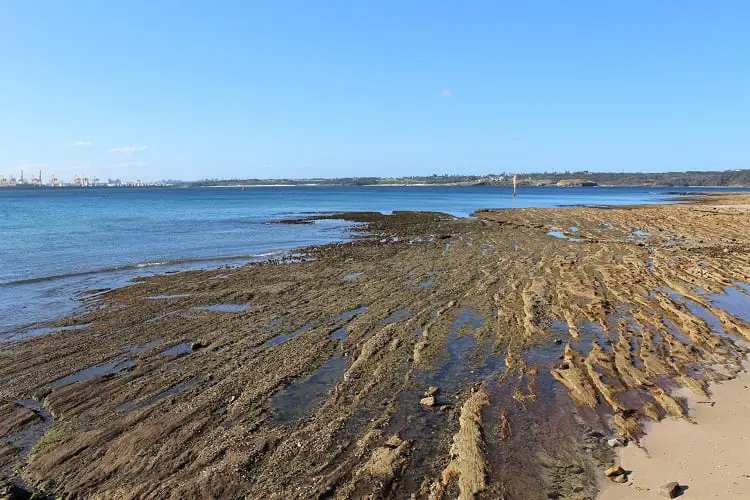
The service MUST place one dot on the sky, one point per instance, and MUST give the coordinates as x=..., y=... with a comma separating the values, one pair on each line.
x=270, y=89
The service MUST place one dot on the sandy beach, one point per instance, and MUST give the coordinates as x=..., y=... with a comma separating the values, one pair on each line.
x=709, y=457
x=436, y=357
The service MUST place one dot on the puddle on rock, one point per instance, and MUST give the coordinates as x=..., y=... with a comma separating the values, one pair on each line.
x=178, y=350
x=339, y=334
x=94, y=371
x=734, y=302
x=164, y=297
x=44, y=331
x=143, y=347
x=640, y=234
x=224, y=307
x=395, y=317
x=563, y=236
x=352, y=313
x=300, y=398
x=181, y=387
x=676, y=332
x=24, y=440
x=280, y=339
x=172, y=314
x=352, y=276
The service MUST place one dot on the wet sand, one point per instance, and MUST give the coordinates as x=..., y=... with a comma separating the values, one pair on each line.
x=437, y=357
x=710, y=457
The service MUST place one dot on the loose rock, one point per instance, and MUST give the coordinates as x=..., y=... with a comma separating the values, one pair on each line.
x=669, y=490
x=428, y=401
x=615, y=442
x=614, y=471
x=431, y=391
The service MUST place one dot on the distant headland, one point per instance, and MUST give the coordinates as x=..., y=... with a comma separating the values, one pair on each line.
x=728, y=178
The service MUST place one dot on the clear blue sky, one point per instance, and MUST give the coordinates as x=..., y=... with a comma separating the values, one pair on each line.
x=182, y=89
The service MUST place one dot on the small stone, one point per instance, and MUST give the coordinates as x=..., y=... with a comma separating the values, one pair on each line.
x=197, y=345
x=669, y=490
x=558, y=341
x=393, y=442
x=577, y=470
x=431, y=391
x=445, y=408
x=614, y=471
x=614, y=443
x=428, y=401
x=620, y=479
x=726, y=250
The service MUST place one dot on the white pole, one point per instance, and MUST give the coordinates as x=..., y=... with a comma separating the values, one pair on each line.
x=515, y=180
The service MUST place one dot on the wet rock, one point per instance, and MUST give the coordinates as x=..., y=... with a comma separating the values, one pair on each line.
x=669, y=490
x=12, y=492
x=431, y=391
x=428, y=401
x=614, y=471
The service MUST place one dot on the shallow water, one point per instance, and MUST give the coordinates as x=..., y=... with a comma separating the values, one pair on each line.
x=352, y=313
x=563, y=236
x=300, y=398
x=340, y=334
x=94, y=371
x=41, y=331
x=734, y=302
x=280, y=339
x=178, y=350
x=86, y=239
x=224, y=307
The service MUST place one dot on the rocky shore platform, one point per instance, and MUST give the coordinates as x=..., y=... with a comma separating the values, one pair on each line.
x=507, y=355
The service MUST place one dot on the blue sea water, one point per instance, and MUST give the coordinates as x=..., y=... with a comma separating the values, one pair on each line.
x=57, y=243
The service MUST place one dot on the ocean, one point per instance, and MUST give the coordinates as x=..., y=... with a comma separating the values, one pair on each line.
x=57, y=243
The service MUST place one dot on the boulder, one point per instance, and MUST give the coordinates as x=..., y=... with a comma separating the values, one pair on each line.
x=669, y=490
x=620, y=479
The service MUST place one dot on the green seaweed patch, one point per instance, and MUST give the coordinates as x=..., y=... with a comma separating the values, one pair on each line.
x=58, y=433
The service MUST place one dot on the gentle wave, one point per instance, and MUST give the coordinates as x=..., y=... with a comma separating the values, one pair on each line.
x=144, y=265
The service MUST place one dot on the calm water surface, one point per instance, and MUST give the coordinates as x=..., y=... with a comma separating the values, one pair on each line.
x=58, y=242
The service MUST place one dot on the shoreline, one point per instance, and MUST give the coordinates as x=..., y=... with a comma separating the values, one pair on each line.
x=509, y=315
x=708, y=458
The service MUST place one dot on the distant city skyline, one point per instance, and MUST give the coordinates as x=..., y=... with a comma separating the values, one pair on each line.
x=291, y=89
